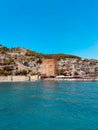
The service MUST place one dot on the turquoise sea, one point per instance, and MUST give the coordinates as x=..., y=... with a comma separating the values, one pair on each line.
x=49, y=105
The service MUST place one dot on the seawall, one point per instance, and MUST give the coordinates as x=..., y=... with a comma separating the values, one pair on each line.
x=19, y=78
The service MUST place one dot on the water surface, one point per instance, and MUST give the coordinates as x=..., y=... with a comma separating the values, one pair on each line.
x=49, y=105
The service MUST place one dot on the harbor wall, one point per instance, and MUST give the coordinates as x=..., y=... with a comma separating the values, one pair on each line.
x=18, y=78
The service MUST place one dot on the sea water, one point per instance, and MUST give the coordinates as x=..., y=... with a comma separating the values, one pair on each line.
x=49, y=105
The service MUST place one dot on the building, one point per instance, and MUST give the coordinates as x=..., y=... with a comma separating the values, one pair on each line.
x=49, y=67
x=96, y=71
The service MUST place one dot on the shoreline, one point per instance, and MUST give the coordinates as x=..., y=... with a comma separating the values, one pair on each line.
x=19, y=78
x=73, y=79
x=37, y=78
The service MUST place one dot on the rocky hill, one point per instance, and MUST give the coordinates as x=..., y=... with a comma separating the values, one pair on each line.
x=27, y=52
x=21, y=61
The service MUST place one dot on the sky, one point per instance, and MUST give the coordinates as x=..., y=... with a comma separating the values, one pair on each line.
x=51, y=26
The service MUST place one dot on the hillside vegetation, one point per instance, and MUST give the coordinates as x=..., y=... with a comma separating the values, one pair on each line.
x=21, y=61
x=5, y=50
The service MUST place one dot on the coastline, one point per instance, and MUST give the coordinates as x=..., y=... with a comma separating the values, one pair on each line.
x=74, y=79
x=37, y=78
x=19, y=78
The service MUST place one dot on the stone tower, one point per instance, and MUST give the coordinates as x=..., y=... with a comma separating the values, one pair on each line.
x=49, y=67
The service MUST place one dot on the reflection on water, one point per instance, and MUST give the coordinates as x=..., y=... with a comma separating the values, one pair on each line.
x=51, y=83
x=49, y=105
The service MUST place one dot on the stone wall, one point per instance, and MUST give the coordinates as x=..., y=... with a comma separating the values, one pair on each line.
x=18, y=78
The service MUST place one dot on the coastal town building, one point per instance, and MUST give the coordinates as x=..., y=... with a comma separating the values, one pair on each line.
x=49, y=67
x=21, y=61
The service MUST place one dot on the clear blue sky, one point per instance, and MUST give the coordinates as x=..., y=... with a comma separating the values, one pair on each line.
x=51, y=26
